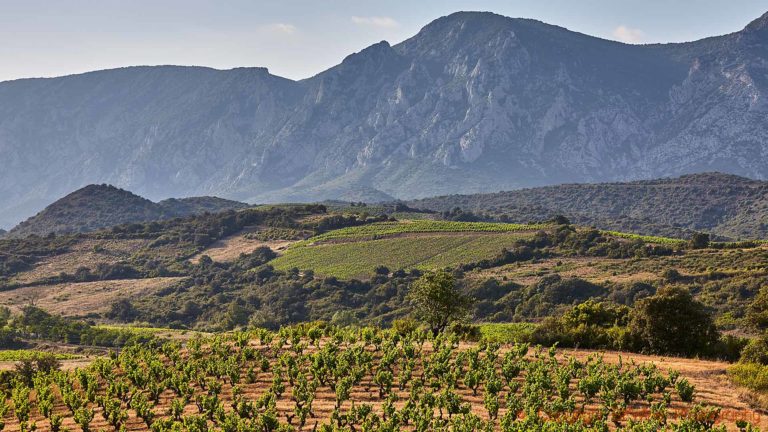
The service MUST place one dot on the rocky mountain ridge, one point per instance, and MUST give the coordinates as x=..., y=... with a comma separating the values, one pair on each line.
x=475, y=102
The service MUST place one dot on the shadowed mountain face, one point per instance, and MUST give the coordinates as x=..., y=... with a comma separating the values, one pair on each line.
x=475, y=102
x=100, y=206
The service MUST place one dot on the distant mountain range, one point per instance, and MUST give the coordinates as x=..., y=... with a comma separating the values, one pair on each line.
x=475, y=102
x=100, y=206
x=728, y=206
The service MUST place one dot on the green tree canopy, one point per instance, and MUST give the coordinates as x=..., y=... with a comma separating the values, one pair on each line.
x=699, y=240
x=438, y=301
x=673, y=322
x=757, y=313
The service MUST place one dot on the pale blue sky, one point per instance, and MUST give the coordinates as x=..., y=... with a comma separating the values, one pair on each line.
x=297, y=39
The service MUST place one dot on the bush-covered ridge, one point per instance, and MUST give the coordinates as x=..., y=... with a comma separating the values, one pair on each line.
x=728, y=206
x=101, y=206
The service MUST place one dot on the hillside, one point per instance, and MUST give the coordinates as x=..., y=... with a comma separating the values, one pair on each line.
x=100, y=206
x=475, y=102
x=274, y=266
x=727, y=206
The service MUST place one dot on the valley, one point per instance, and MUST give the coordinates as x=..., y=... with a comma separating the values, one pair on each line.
x=488, y=224
x=217, y=281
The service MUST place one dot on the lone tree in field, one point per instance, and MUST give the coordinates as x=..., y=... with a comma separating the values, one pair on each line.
x=438, y=301
x=673, y=322
x=699, y=240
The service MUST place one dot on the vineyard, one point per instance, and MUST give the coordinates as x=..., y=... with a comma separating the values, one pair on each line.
x=355, y=252
x=382, y=229
x=329, y=379
x=646, y=238
x=359, y=259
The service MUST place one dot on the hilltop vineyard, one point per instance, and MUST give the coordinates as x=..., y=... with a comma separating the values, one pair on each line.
x=323, y=378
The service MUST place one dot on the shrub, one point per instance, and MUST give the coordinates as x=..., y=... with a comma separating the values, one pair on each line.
x=699, y=241
x=405, y=326
x=756, y=351
x=587, y=325
x=751, y=375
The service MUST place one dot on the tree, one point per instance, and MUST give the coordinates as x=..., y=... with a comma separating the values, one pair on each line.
x=757, y=313
x=673, y=322
x=757, y=318
x=381, y=270
x=561, y=220
x=438, y=301
x=699, y=240
x=123, y=311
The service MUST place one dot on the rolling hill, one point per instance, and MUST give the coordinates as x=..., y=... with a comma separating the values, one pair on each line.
x=725, y=205
x=475, y=102
x=99, y=206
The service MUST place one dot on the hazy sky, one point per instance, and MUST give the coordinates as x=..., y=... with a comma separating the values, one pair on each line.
x=297, y=39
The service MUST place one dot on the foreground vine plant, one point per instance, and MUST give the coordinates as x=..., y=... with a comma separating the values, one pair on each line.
x=322, y=378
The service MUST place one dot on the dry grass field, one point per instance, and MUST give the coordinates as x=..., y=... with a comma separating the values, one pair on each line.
x=593, y=269
x=84, y=298
x=85, y=253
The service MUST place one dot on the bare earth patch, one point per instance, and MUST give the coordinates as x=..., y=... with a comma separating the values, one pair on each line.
x=230, y=248
x=80, y=299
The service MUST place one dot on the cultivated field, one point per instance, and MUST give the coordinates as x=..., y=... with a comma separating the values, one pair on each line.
x=358, y=259
x=373, y=380
x=421, y=244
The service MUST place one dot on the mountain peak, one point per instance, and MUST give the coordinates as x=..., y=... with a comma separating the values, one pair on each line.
x=758, y=24
x=757, y=30
x=464, y=16
x=467, y=19
x=475, y=102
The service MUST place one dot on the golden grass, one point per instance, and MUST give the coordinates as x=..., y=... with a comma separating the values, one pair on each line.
x=82, y=299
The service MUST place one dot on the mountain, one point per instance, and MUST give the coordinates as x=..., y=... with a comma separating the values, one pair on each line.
x=728, y=206
x=475, y=102
x=100, y=206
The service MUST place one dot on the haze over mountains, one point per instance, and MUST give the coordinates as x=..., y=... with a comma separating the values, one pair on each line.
x=475, y=102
